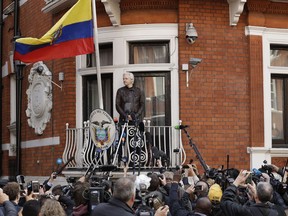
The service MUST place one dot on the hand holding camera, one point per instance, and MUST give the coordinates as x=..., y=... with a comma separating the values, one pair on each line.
x=241, y=178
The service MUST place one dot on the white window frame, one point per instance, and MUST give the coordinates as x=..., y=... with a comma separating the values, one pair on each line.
x=269, y=36
x=120, y=37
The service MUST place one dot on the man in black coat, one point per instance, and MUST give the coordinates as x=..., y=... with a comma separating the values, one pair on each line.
x=261, y=196
x=130, y=101
x=122, y=201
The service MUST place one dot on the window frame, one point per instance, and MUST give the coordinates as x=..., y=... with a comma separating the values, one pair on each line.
x=121, y=37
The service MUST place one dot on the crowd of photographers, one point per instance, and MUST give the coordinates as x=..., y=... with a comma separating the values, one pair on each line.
x=178, y=192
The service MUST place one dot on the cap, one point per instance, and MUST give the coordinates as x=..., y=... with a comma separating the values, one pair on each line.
x=215, y=193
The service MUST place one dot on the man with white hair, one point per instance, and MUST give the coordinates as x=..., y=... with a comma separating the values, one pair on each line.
x=129, y=100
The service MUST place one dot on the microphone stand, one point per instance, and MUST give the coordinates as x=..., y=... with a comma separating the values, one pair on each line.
x=204, y=165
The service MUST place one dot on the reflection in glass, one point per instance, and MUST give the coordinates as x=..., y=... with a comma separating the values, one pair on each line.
x=154, y=91
x=279, y=55
x=277, y=108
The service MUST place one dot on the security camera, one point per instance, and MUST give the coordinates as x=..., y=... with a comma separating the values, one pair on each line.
x=191, y=33
x=190, y=39
x=195, y=61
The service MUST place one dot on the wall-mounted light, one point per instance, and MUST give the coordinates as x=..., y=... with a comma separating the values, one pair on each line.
x=185, y=67
x=191, y=33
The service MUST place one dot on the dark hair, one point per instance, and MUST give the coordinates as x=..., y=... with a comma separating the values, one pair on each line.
x=31, y=208
x=80, y=193
x=57, y=190
x=154, y=182
x=12, y=189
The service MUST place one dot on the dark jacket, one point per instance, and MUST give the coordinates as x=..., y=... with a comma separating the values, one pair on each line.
x=230, y=207
x=8, y=209
x=175, y=205
x=114, y=207
x=130, y=101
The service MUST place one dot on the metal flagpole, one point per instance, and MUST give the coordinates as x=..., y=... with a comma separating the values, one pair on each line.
x=96, y=44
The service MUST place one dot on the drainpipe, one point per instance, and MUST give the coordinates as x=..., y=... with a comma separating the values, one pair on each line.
x=1, y=86
x=19, y=77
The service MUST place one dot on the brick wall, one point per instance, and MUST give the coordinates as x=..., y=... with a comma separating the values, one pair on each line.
x=216, y=103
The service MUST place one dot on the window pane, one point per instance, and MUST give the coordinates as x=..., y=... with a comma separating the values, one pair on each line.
x=90, y=94
x=155, y=98
x=279, y=55
x=105, y=54
x=277, y=101
x=144, y=53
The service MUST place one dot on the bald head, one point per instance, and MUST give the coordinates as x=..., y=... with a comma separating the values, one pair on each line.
x=203, y=205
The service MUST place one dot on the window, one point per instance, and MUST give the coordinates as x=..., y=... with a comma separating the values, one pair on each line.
x=279, y=55
x=156, y=87
x=279, y=96
x=105, y=54
x=279, y=88
x=149, y=52
x=90, y=94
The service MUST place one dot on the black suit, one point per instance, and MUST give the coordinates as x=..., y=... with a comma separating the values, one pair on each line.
x=114, y=207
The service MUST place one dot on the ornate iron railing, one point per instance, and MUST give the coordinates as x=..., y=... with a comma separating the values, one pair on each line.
x=163, y=142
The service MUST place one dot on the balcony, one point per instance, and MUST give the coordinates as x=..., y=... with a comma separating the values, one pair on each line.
x=128, y=148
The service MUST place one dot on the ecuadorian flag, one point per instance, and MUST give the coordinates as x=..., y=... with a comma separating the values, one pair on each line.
x=72, y=35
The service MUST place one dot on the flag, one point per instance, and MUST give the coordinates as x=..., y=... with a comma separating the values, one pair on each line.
x=72, y=35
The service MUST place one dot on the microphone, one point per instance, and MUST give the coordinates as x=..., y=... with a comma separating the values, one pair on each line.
x=180, y=127
x=256, y=172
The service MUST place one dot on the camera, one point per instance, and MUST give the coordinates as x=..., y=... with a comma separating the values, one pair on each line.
x=95, y=196
x=195, y=61
x=191, y=33
x=198, y=188
x=190, y=39
x=35, y=187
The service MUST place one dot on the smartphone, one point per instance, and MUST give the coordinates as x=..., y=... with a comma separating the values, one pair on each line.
x=198, y=188
x=249, y=179
x=35, y=187
x=20, y=180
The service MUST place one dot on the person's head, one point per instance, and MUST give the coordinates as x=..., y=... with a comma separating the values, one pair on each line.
x=12, y=189
x=168, y=176
x=215, y=193
x=79, y=193
x=264, y=191
x=128, y=79
x=154, y=182
x=57, y=190
x=52, y=207
x=124, y=190
x=205, y=188
x=203, y=205
x=31, y=208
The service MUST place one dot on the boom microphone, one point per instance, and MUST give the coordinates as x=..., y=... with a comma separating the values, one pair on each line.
x=180, y=127
x=63, y=167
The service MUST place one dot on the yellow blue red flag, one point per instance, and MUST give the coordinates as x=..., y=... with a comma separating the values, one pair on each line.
x=72, y=35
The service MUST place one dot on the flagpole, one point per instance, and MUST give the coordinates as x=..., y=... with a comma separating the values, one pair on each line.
x=97, y=57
